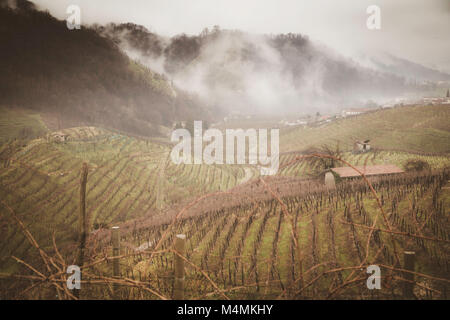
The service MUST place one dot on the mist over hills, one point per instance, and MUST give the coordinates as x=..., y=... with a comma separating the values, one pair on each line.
x=235, y=70
x=126, y=77
x=402, y=67
x=82, y=77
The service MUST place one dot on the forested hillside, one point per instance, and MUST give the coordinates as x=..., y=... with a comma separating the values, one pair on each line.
x=82, y=77
x=277, y=73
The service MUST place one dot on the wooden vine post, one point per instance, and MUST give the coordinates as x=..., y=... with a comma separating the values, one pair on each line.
x=83, y=220
x=178, y=290
x=409, y=261
x=115, y=237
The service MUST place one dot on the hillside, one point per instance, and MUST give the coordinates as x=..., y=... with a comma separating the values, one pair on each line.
x=256, y=73
x=251, y=251
x=20, y=124
x=240, y=239
x=411, y=129
x=128, y=178
x=406, y=68
x=133, y=178
x=351, y=119
x=82, y=78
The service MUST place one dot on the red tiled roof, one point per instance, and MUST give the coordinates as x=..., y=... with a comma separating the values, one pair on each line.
x=347, y=172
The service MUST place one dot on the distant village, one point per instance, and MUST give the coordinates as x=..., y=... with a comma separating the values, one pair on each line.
x=320, y=119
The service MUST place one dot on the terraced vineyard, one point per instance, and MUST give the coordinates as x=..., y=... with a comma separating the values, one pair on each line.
x=375, y=157
x=128, y=178
x=247, y=236
x=411, y=129
x=251, y=250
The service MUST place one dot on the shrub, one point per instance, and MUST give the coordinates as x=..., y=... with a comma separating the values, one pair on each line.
x=417, y=165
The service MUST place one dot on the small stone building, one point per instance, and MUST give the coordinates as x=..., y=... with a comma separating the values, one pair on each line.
x=361, y=147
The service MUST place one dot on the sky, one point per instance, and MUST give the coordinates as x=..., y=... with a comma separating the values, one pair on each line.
x=418, y=30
